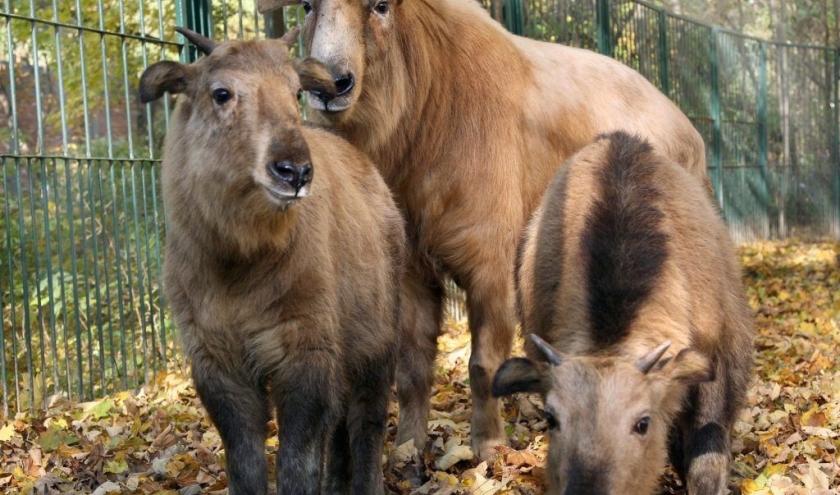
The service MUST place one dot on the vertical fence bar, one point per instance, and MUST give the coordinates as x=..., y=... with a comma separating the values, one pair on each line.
x=5, y=385
x=762, y=129
x=275, y=23
x=602, y=19
x=836, y=145
x=199, y=19
x=50, y=293
x=158, y=220
x=664, y=77
x=514, y=18
x=12, y=316
x=716, y=117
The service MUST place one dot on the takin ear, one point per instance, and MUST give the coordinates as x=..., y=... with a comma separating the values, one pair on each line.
x=162, y=77
x=689, y=367
x=314, y=77
x=291, y=36
x=520, y=375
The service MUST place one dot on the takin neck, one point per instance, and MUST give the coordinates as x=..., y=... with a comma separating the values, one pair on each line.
x=234, y=235
x=452, y=59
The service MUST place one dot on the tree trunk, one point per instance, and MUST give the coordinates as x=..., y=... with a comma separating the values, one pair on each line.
x=498, y=10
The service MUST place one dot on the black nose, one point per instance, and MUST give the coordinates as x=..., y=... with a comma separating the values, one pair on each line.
x=296, y=176
x=344, y=83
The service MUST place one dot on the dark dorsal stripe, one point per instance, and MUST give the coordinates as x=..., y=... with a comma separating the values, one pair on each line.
x=623, y=244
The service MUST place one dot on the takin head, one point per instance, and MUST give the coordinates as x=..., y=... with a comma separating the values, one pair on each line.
x=608, y=419
x=351, y=37
x=238, y=119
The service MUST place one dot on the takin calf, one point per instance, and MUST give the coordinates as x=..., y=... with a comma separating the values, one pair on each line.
x=468, y=124
x=628, y=269
x=283, y=260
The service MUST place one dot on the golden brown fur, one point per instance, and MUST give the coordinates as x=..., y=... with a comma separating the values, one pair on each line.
x=468, y=123
x=626, y=252
x=283, y=299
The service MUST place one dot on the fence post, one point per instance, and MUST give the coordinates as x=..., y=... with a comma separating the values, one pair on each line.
x=198, y=16
x=716, y=119
x=836, y=146
x=514, y=19
x=602, y=18
x=664, y=78
x=275, y=23
x=762, y=127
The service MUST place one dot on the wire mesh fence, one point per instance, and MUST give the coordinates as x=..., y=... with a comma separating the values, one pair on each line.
x=81, y=226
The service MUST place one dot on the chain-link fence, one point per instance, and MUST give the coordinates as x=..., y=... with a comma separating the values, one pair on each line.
x=81, y=226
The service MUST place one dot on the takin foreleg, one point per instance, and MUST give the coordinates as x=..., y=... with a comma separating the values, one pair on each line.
x=354, y=458
x=422, y=315
x=706, y=436
x=240, y=410
x=308, y=392
x=490, y=301
x=366, y=421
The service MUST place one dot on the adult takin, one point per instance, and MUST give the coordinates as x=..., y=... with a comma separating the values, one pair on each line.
x=628, y=270
x=468, y=123
x=283, y=258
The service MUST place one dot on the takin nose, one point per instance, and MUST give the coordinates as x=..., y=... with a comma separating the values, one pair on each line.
x=297, y=176
x=344, y=84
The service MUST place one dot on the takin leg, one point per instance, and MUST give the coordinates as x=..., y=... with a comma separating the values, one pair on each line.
x=367, y=416
x=492, y=330
x=240, y=410
x=337, y=480
x=309, y=393
x=708, y=441
x=422, y=316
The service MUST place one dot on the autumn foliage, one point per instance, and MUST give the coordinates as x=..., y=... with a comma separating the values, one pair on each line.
x=159, y=441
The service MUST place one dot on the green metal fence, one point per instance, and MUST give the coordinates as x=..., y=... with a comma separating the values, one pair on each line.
x=81, y=217
x=767, y=111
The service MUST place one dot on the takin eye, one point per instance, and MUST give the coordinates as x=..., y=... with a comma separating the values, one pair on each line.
x=641, y=426
x=552, y=421
x=221, y=96
x=307, y=7
x=381, y=8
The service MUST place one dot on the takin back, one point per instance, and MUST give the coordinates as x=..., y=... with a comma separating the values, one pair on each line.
x=629, y=287
x=468, y=124
x=283, y=259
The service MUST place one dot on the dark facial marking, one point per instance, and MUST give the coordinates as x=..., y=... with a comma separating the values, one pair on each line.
x=585, y=478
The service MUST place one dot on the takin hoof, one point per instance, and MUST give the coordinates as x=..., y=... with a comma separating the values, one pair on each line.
x=485, y=448
x=405, y=462
x=708, y=475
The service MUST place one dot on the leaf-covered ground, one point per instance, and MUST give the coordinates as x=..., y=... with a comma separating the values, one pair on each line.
x=159, y=440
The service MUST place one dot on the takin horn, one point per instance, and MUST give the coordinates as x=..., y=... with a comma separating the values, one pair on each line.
x=264, y=6
x=646, y=362
x=206, y=45
x=550, y=353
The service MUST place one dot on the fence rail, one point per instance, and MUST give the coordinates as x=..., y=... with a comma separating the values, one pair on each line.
x=82, y=229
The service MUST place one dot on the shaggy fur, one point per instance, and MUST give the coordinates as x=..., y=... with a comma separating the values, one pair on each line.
x=645, y=259
x=468, y=123
x=286, y=297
